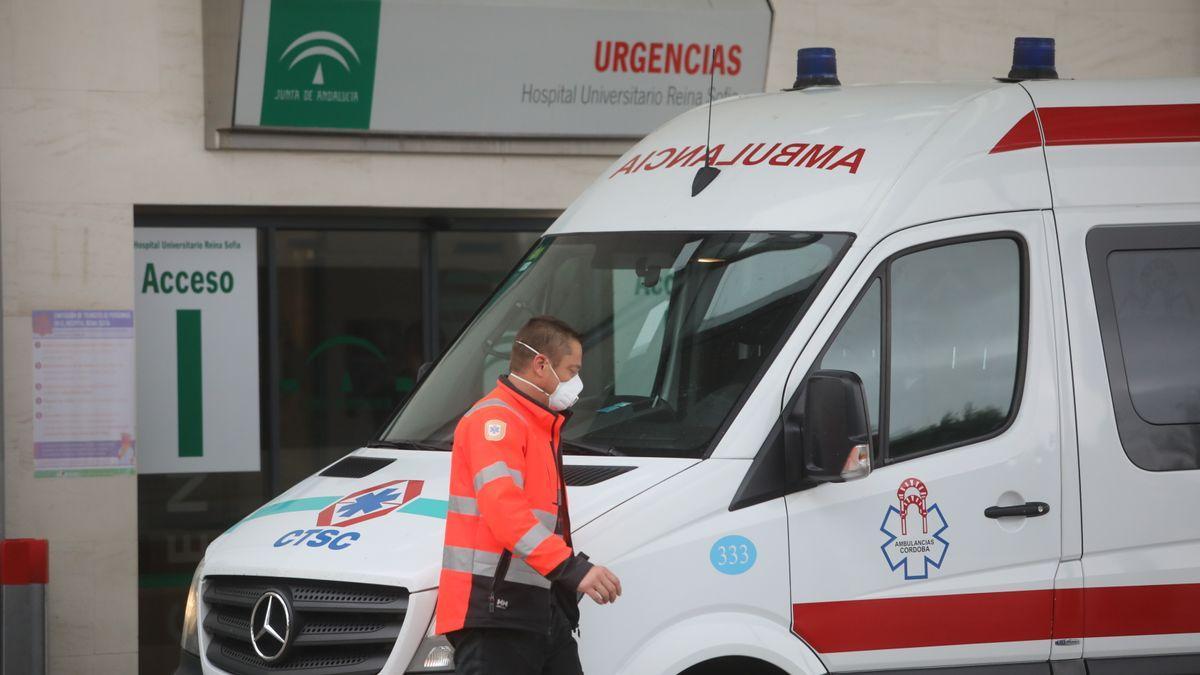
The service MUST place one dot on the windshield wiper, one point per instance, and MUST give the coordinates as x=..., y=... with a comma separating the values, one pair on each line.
x=592, y=448
x=407, y=445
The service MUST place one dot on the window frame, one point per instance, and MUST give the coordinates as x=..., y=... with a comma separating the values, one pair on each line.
x=880, y=453
x=1135, y=434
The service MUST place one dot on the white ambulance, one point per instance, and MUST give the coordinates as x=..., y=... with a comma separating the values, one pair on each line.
x=908, y=380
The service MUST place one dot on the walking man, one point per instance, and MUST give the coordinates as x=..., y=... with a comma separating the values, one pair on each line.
x=510, y=581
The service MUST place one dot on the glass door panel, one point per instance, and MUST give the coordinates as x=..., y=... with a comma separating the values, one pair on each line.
x=350, y=339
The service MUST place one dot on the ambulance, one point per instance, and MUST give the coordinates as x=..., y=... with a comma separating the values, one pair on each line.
x=898, y=378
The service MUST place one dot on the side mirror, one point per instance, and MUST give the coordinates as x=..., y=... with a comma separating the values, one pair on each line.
x=829, y=430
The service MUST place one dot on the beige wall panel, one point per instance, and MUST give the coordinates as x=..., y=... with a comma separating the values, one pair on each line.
x=94, y=584
x=73, y=256
x=102, y=664
x=44, y=138
x=970, y=48
x=6, y=43
x=178, y=35
x=18, y=417
x=114, y=567
x=84, y=44
x=1129, y=43
x=69, y=616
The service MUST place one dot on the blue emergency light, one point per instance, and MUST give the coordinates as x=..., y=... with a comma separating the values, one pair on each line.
x=816, y=66
x=1033, y=59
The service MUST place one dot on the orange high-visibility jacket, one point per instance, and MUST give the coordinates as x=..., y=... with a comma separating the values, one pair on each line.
x=507, y=529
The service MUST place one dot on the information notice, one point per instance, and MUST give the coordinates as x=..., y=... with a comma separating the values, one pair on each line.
x=196, y=298
x=83, y=392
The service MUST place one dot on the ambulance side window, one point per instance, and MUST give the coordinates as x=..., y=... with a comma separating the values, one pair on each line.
x=858, y=347
x=1146, y=281
x=936, y=338
x=955, y=333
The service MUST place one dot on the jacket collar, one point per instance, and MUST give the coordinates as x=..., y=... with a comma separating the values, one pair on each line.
x=536, y=410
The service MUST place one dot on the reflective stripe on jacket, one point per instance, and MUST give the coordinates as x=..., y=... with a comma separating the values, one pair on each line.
x=507, y=530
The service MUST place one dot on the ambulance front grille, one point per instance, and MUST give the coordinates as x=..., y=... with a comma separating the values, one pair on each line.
x=340, y=628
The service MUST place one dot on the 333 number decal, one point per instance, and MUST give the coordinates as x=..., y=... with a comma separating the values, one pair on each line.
x=733, y=554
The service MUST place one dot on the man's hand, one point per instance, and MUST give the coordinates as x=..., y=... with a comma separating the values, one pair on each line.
x=601, y=585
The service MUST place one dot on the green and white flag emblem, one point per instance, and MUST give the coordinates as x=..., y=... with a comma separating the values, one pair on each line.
x=320, y=69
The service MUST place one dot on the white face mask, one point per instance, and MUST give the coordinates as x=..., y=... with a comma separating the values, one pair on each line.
x=565, y=394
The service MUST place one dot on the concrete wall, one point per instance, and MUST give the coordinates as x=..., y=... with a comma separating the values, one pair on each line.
x=890, y=41
x=101, y=108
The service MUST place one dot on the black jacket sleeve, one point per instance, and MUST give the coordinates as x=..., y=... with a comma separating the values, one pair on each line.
x=571, y=571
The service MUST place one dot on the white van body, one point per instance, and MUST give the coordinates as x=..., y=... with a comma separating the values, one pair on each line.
x=899, y=570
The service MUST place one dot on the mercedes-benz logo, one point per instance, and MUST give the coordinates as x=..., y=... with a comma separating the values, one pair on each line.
x=271, y=626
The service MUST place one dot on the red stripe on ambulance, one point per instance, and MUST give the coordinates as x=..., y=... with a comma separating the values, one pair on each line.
x=1138, y=610
x=929, y=621
x=1024, y=134
x=1105, y=125
x=1014, y=616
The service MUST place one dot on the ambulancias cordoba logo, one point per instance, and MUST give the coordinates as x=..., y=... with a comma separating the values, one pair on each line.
x=271, y=626
x=915, y=528
x=320, y=43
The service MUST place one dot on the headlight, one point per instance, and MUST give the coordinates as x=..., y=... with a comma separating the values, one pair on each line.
x=190, y=642
x=434, y=654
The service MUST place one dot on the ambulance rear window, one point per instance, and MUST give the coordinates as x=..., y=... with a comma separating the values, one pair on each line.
x=1146, y=281
x=1157, y=299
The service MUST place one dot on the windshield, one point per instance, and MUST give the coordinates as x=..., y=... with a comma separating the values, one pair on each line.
x=676, y=325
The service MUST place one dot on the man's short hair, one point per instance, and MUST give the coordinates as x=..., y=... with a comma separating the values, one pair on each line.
x=549, y=335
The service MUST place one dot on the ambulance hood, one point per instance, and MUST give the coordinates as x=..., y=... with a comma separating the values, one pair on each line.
x=386, y=526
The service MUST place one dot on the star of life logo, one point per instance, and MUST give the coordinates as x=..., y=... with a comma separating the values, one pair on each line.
x=369, y=503
x=493, y=430
x=914, y=529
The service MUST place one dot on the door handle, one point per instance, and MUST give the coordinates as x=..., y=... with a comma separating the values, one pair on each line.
x=1026, y=510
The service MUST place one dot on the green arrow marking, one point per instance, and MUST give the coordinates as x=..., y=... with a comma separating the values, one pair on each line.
x=191, y=390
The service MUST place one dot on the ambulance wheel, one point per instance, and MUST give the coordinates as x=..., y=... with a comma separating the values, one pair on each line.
x=733, y=665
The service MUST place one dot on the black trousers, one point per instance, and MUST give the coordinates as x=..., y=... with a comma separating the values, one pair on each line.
x=507, y=651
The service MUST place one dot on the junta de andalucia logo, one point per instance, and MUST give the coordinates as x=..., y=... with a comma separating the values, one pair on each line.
x=320, y=69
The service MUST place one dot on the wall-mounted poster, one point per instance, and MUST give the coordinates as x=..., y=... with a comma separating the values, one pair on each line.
x=83, y=396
